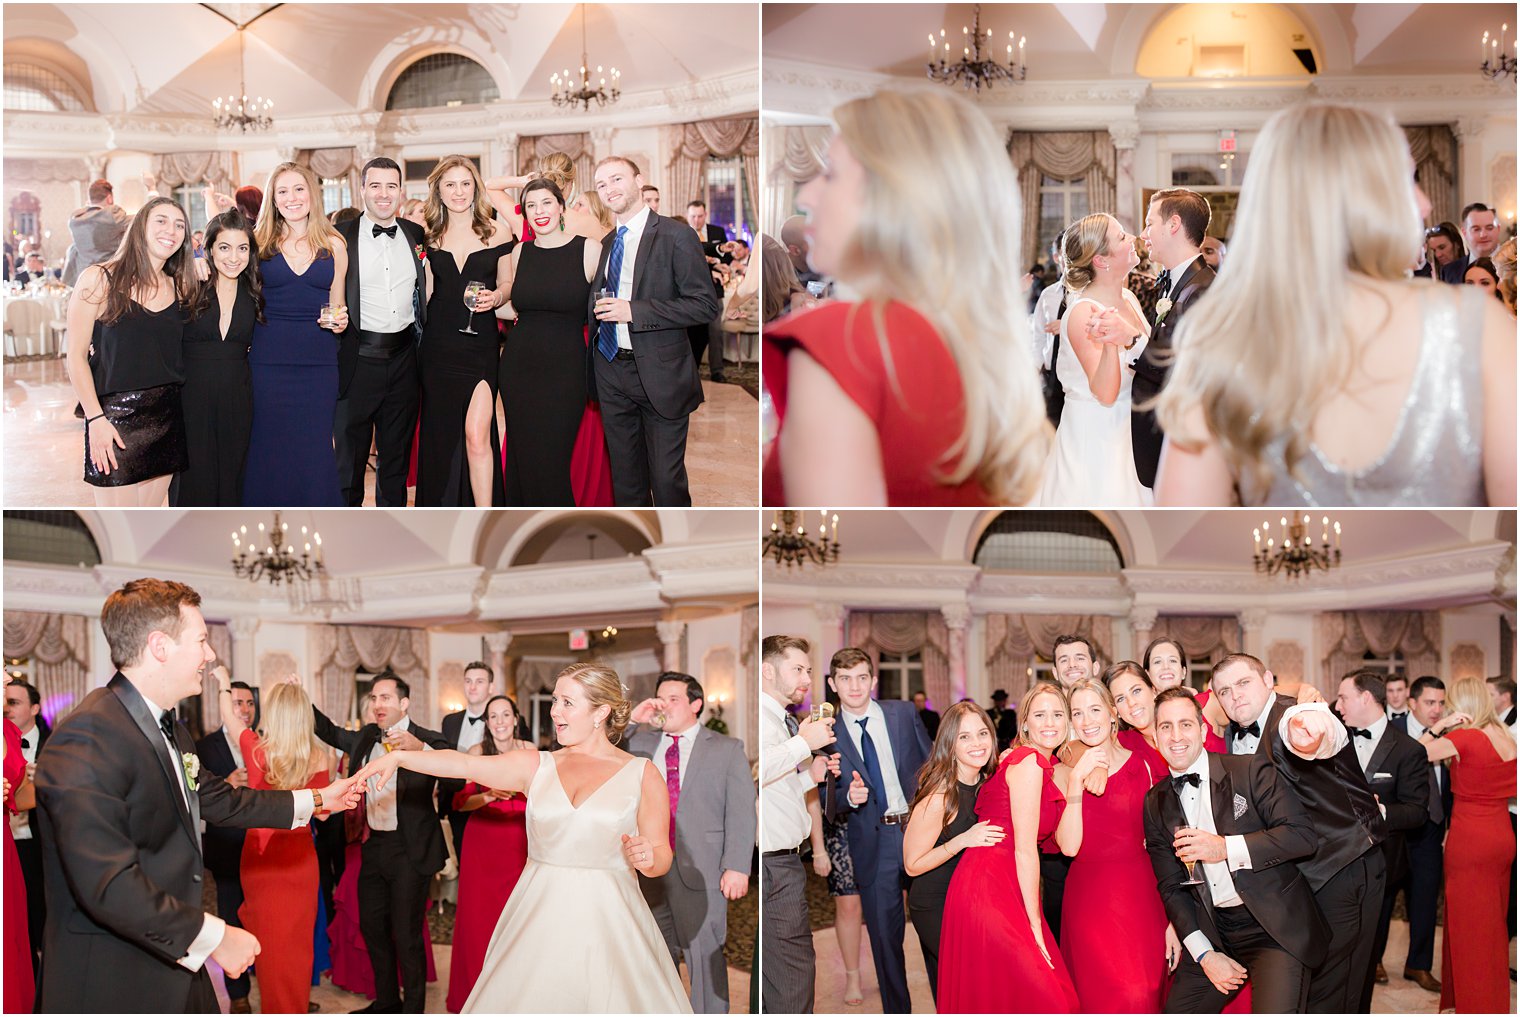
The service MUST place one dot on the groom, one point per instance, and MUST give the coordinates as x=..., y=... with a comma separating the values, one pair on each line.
x=122, y=795
x=1175, y=224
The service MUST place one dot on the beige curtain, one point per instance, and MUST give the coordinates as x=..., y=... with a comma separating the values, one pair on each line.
x=1345, y=635
x=1016, y=641
x=1434, y=149
x=578, y=147
x=1208, y=636
x=340, y=650
x=58, y=646
x=797, y=156
x=24, y=172
x=921, y=632
x=1068, y=155
x=335, y=164
x=691, y=145
x=182, y=169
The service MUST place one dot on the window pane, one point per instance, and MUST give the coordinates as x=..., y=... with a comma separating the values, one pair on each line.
x=442, y=79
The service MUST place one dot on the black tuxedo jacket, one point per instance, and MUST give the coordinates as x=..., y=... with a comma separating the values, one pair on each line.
x=1151, y=372
x=1399, y=774
x=910, y=750
x=222, y=846
x=122, y=858
x=447, y=788
x=40, y=733
x=672, y=289
x=1334, y=793
x=1401, y=722
x=416, y=818
x=348, y=341
x=1454, y=271
x=1250, y=799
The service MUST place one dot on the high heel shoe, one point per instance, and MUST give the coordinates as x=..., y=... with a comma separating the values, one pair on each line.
x=852, y=978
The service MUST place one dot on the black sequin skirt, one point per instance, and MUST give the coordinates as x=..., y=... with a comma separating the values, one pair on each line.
x=152, y=423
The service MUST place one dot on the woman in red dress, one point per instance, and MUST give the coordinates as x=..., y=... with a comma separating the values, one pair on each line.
x=20, y=990
x=1114, y=932
x=498, y=850
x=279, y=871
x=996, y=954
x=1480, y=847
x=924, y=392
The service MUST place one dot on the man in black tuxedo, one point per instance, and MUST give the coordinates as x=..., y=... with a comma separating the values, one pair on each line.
x=23, y=706
x=1004, y=720
x=222, y=846
x=712, y=237
x=1427, y=705
x=1398, y=773
x=1347, y=873
x=929, y=717
x=1253, y=916
x=1175, y=224
x=378, y=384
x=122, y=794
x=641, y=359
x=881, y=746
x=1502, y=691
x=403, y=845
x=463, y=730
x=1396, y=692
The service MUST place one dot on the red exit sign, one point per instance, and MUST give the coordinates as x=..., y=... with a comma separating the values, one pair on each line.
x=1227, y=141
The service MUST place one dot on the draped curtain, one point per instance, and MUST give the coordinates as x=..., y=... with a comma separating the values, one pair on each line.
x=906, y=632
x=1068, y=155
x=1209, y=636
x=340, y=650
x=26, y=172
x=187, y=169
x=1434, y=149
x=1016, y=641
x=219, y=635
x=691, y=145
x=58, y=647
x=798, y=154
x=578, y=147
x=335, y=164
x=1345, y=635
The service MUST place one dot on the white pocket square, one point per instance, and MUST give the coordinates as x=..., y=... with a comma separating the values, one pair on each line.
x=1240, y=806
x=1382, y=776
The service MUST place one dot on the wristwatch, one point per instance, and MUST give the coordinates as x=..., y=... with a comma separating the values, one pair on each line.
x=316, y=800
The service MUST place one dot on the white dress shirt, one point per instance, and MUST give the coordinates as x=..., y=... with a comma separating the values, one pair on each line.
x=1175, y=273
x=1045, y=310
x=1198, y=807
x=625, y=277
x=1416, y=729
x=784, y=820
x=387, y=279
x=1365, y=747
x=1245, y=744
x=688, y=738
x=471, y=733
x=21, y=824
x=380, y=805
x=876, y=723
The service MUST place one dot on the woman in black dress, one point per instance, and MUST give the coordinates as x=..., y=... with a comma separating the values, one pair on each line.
x=125, y=360
x=458, y=446
x=218, y=393
x=942, y=820
x=543, y=367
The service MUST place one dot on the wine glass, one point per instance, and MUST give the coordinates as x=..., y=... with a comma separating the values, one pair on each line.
x=470, y=292
x=1192, y=867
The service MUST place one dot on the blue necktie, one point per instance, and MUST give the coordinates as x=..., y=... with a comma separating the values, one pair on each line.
x=606, y=332
x=873, y=764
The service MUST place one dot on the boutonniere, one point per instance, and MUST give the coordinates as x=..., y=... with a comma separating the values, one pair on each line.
x=1162, y=306
x=421, y=252
x=192, y=764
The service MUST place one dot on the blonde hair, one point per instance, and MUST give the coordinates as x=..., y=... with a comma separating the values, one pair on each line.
x=560, y=168
x=411, y=205
x=1035, y=691
x=1327, y=201
x=604, y=217
x=271, y=227
x=1504, y=264
x=286, y=736
x=603, y=688
x=1099, y=688
x=1470, y=696
x=481, y=212
x=1081, y=242
x=954, y=264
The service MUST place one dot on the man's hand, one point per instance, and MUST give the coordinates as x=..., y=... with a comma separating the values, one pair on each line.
x=1194, y=845
x=404, y=740
x=238, y=778
x=31, y=771
x=342, y=795
x=1226, y=975
x=613, y=309
x=817, y=733
x=733, y=884
x=645, y=711
x=823, y=767
x=1306, y=733
x=236, y=951
x=859, y=790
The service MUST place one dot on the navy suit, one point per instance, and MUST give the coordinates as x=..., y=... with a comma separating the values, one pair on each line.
x=876, y=847
x=1422, y=887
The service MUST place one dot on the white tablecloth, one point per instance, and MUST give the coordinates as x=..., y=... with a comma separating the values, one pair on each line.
x=34, y=322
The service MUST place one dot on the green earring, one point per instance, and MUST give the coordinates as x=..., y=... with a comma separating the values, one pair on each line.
x=562, y=222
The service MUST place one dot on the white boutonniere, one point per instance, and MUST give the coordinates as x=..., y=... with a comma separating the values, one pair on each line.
x=1162, y=306
x=192, y=764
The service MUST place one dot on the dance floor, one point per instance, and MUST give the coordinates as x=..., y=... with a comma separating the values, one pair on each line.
x=44, y=443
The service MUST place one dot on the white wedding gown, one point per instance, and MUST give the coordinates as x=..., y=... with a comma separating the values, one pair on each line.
x=1092, y=463
x=576, y=935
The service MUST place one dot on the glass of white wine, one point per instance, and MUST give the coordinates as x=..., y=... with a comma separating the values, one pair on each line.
x=470, y=293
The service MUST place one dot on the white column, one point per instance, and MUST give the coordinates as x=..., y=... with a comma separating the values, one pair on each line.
x=1471, y=185
x=1252, y=620
x=503, y=154
x=1126, y=198
x=670, y=633
x=497, y=643
x=601, y=144
x=831, y=635
x=957, y=617
x=1141, y=621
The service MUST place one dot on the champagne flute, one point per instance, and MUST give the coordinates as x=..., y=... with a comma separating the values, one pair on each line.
x=470, y=292
x=1192, y=867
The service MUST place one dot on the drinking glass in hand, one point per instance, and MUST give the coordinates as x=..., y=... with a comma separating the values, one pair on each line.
x=605, y=294
x=328, y=316
x=1192, y=867
x=470, y=293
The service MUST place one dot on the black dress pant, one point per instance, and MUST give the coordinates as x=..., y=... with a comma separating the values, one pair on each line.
x=1053, y=870
x=229, y=897
x=647, y=451
x=1279, y=981
x=392, y=903
x=1350, y=903
x=330, y=848
x=380, y=404
x=29, y=851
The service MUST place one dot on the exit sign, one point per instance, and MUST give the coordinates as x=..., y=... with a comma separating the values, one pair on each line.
x=579, y=639
x=1227, y=141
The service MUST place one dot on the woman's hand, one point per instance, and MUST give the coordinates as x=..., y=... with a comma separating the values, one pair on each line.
x=1038, y=928
x=383, y=768
x=104, y=440
x=485, y=300
x=223, y=678
x=639, y=851
x=983, y=834
x=339, y=320
x=1173, y=948
x=822, y=865
x=1091, y=760
x=1450, y=721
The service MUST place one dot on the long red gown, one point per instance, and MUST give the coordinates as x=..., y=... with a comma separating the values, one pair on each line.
x=497, y=842
x=1113, y=924
x=280, y=886
x=1480, y=847
x=20, y=989
x=988, y=959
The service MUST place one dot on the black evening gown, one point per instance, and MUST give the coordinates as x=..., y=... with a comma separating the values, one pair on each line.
x=452, y=363
x=543, y=373
x=926, y=895
x=218, y=403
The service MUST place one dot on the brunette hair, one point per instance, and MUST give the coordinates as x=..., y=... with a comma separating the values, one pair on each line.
x=1150, y=648
x=130, y=269
x=773, y=648
x=1375, y=682
x=249, y=200
x=1190, y=207
x=1179, y=692
x=140, y=608
x=1039, y=688
x=519, y=726
x=778, y=279
x=543, y=184
x=482, y=214
x=938, y=774
x=230, y=220
x=100, y=190
x=850, y=656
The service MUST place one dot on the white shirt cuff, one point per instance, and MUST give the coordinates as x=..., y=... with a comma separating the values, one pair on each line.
x=212, y=931
x=306, y=804
x=1335, y=732
x=1197, y=944
x=1236, y=854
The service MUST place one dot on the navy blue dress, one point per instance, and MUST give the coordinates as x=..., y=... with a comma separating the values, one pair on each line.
x=294, y=363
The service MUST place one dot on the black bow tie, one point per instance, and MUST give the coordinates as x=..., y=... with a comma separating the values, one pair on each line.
x=1360, y=732
x=166, y=725
x=473, y=720
x=25, y=744
x=389, y=231
x=1164, y=285
x=1396, y=714
x=1185, y=778
x=1253, y=729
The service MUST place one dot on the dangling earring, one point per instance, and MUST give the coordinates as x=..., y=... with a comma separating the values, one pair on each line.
x=562, y=222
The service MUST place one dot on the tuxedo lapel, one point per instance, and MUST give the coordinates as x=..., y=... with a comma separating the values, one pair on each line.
x=142, y=715
x=1185, y=278
x=185, y=747
x=1221, y=797
x=1379, y=755
x=350, y=233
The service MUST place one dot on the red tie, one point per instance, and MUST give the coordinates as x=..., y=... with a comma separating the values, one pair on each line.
x=673, y=782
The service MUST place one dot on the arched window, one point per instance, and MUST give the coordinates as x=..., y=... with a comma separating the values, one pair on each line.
x=442, y=79
x=31, y=87
x=49, y=538
x=1048, y=542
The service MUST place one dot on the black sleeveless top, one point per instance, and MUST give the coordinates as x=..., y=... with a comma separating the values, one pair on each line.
x=936, y=882
x=203, y=338
x=141, y=349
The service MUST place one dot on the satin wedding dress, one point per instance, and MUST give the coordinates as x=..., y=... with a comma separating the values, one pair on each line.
x=576, y=935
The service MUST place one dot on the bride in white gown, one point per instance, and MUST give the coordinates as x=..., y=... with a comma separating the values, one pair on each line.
x=1103, y=333
x=576, y=935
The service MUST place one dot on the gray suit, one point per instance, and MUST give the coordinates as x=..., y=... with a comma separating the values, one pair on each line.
x=715, y=831
x=97, y=231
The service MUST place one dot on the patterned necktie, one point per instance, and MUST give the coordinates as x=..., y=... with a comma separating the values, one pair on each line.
x=873, y=764
x=606, y=332
x=791, y=724
x=673, y=782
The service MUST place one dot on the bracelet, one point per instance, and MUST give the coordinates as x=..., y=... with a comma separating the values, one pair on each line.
x=316, y=800
x=224, y=692
x=90, y=420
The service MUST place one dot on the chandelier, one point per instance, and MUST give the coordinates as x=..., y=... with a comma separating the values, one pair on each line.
x=1294, y=552
x=974, y=71
x=789, y=544
x=270, y=554
x=564, y=92
x=1497, y=61
x=239, y=111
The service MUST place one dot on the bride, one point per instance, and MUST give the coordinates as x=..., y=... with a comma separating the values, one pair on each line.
x=1103, y=334
x=576, y=935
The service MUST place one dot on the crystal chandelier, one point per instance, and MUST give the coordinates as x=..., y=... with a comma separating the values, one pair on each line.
x=270, y=554
x=789, y=544
x=564, y=92
x=974, y=71
x=1497, y=60
x=240, y=112
x=1294, y=552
